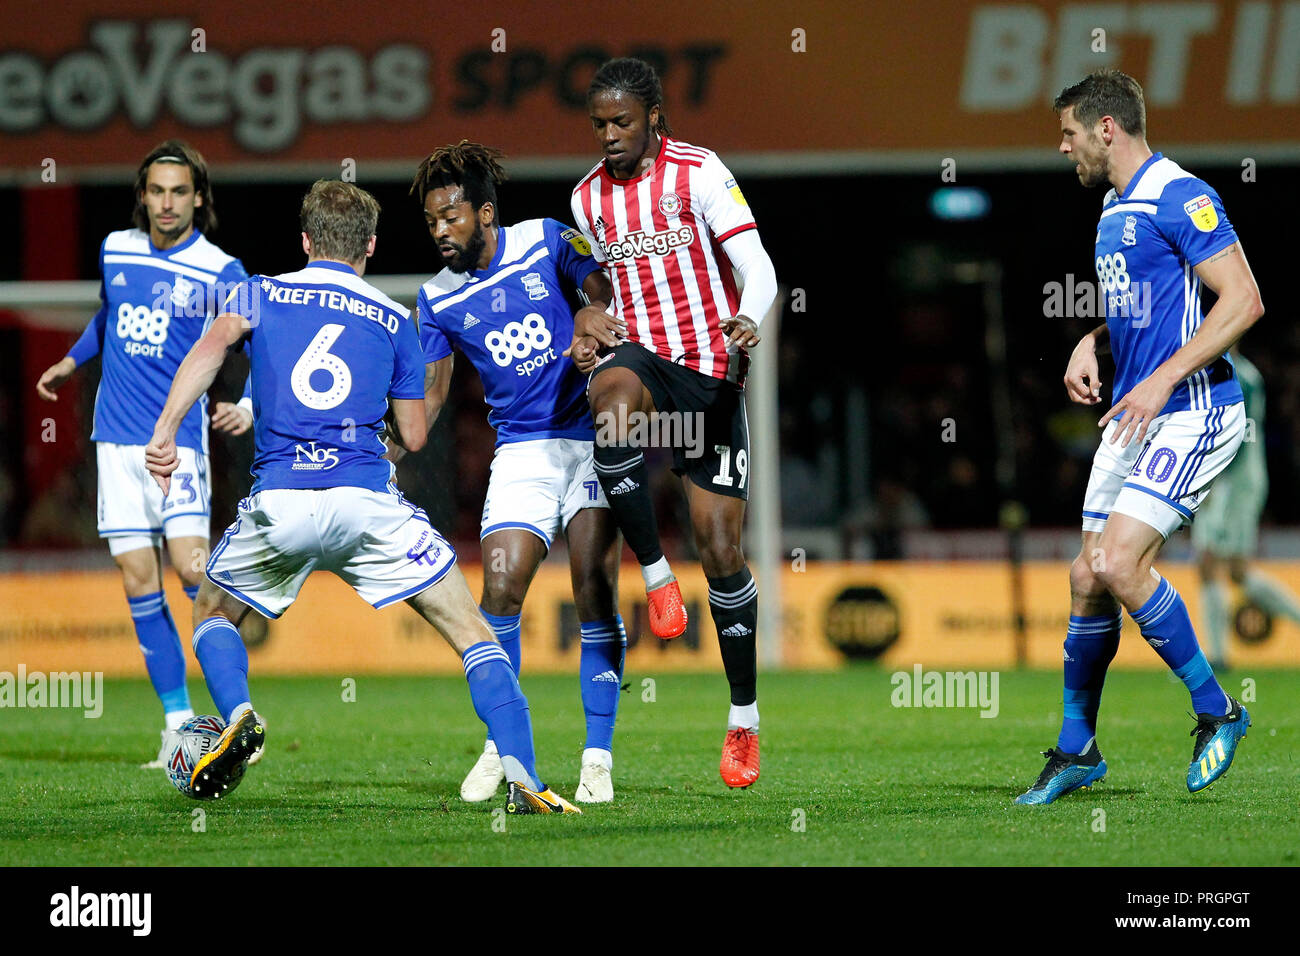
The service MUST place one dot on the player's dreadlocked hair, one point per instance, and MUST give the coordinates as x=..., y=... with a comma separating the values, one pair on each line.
x=472, y=166
x=182, y=154
x=636, y=78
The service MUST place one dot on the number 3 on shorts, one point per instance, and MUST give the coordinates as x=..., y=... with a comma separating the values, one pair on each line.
x=317, y=357
x=723, y=477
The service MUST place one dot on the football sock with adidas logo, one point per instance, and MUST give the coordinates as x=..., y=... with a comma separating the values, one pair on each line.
x=733, y=601
x=1090, y=645
x=623, y=477
x=161, y=645
x=501, y=705
x=600, y=670
x=1167, y=627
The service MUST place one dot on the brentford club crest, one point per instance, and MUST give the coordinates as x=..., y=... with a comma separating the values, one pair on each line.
x=669, y=204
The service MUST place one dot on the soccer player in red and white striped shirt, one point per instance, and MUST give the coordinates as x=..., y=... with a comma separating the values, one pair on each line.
x=669, y=224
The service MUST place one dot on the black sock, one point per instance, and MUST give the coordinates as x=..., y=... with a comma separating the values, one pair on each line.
x=733, y=601
x=622, y=474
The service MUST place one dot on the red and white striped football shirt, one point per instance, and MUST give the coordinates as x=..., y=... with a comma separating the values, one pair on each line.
x=659, y=236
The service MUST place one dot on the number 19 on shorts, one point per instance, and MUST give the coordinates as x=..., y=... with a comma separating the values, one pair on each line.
x=724, y=476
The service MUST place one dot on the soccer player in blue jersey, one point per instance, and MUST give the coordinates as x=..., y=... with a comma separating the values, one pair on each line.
x=502, y=301
x=160, y=284
x=1176, y=421
x=332, y=359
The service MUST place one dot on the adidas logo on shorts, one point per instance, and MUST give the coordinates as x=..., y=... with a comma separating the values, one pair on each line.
x=736, y=630
x=624, y=486
x=607, y=676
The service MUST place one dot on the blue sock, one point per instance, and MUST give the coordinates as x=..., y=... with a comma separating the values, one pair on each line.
x=507, y=629
x=1168, y=629
x=224, y=660
x=161, y=646
x=191, y=591
x=501, y=705
x=1090, y=646
x=601, y=674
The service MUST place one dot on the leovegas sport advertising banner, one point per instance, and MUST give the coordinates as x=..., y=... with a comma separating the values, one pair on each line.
x=946, y=615
x=98, y=84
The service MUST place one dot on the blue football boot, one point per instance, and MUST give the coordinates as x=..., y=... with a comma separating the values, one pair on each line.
x=1216, y=744
x=1065, y=772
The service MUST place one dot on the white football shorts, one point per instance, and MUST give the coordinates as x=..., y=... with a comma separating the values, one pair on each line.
x=132, y=510
x=379, y=543
x=1162, y=480
x=540, y=485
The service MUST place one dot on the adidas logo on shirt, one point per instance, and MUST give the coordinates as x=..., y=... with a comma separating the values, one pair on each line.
x=624, y=486
x=470, y=321
x=736, y=630
x=607, y=676
x=119, y=279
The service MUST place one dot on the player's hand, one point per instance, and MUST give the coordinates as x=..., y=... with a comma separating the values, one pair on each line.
x=1082, y=379
x=606, y=329
x=1140, y=407
x=230, y=418
x=161, y=459
x=55, y=377
x=741, y=331
x=585, y=353
x=393, y=452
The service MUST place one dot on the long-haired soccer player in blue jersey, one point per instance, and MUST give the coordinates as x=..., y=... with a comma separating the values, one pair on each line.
x=502, y=301
x=329, y=352
x=160, y=284
x=1176, y=421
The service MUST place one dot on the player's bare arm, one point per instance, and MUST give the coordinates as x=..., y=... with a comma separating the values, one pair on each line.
x=231, y=418
x=1239, y=306
x=437, y=383
x=55, y=377
x=408, y=417
x=195, y=376
x=593, y=319
x=1082, y=378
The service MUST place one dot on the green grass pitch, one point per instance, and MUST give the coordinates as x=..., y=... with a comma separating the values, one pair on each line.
x=846, y=779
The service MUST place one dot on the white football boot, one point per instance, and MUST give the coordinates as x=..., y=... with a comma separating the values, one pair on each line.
x=596, y=785
x=487, y=774
x=257, y=754
x=170, y=739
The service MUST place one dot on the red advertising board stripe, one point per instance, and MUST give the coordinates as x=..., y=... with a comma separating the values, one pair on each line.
x=322, y=84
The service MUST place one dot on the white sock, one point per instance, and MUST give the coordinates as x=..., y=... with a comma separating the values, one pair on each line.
x=743, y=716
x=239, y=711
x=656, y=574
x=596, y=755
x=174, y=718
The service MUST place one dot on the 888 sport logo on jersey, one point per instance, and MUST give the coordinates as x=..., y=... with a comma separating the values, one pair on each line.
x=525, y=344
x=143, y=329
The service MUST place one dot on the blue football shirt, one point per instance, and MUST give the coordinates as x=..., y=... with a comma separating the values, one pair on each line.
x=512, y=321
x=155, y=304
x=1149, y=241
x=326, y=352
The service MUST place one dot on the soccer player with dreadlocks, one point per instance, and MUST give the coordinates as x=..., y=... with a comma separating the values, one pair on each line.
x=669, y=222
x=503, y=301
